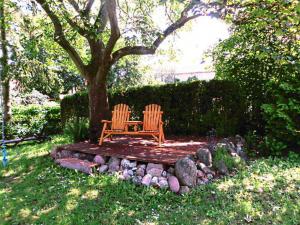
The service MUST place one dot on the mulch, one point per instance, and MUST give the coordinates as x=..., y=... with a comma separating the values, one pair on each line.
x=142, y=149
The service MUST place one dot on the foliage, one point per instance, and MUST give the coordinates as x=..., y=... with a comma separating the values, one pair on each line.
x=263, y=46
x=34, y=190
x=33, y=120
x=189, y=108
x=77, y=129
x=125, y=74
x=230, y=162
x=282, y=116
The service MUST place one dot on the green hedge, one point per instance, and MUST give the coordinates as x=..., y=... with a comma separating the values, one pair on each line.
x=189, y=108
x=34, y=120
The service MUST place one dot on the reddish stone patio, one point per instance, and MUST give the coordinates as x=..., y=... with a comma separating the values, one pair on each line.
x=142, y=149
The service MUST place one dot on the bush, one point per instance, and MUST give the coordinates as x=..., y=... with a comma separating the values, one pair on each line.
x=230, y=162
x=282, y=116
x=189, y=108
x=77, y=129
x=33, y=120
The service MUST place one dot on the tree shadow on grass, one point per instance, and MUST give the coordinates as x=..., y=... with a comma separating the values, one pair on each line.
x=48, y=194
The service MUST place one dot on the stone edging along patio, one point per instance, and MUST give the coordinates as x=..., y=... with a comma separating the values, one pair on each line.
x=188, y=172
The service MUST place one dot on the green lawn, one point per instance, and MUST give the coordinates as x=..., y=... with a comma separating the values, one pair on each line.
x=33, y=190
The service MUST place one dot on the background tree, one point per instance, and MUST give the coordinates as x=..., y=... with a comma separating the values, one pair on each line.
x=4, y=64
x=113, y=30
x=263, y=47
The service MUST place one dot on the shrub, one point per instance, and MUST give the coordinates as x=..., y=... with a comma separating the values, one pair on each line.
x=282, y=116
x=77, y=129
x=33, y=120
x=189, y=108
x=230, y=162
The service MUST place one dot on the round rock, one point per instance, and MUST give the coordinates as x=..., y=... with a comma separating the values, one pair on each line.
x=204, y=156
x=173, y=184
x=186, y=172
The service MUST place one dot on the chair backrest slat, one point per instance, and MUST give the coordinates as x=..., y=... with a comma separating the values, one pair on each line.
x=152, y=117
x=120, y=115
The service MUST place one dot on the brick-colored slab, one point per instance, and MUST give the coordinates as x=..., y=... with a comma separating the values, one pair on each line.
x=141, y=149
x=77, y=164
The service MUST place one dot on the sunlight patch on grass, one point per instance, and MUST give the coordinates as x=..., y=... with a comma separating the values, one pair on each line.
x=91, y=194
x=226, y=185
x=71, y=204
x=74, y=192
x=24, y=213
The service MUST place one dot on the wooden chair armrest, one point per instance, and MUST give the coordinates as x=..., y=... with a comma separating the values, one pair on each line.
x=105, y=121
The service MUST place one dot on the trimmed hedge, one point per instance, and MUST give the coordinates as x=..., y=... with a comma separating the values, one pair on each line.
x=34, y=120
x=189, y=108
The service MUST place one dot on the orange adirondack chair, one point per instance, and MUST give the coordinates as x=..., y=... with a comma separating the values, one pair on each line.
x=120, y=115
x=152, y=123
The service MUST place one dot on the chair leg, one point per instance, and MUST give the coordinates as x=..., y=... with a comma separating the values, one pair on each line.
x=159, y=139
x=102, y=135
x=111, y=137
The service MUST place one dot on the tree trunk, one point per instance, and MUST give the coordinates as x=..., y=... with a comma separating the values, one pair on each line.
x=6, y=101
x=4, y=64
x=98, y=107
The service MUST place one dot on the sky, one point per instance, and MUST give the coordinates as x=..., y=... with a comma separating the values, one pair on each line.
x=190, y=46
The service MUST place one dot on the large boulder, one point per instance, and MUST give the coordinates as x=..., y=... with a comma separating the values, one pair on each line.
x=204, y=156
x=186, y=172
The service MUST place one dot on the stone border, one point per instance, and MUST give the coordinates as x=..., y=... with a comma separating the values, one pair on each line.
x=187, y=173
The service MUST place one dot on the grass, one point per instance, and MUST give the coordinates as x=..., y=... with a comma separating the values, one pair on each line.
x=33, y=190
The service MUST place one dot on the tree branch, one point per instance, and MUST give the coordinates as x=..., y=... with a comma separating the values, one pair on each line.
x=88, y=7
x=75, y=5
x=60, y=38
x=114, y=27
x=184, y=18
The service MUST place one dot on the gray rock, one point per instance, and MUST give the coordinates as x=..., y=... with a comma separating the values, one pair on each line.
x=125, y=164
x=184, y=189
x=133, y=164
x=243, y=155
x=126, y=175
x=130, y=172
x=143, y=166
x=221, y=167
x=154, y=169
x=164, y=174
x=147, y=179
x=200, y=174
x=162, y=178
x=140, y=171
x=103, y=168
x=200, y=182
x=186, y=172
x=171, y=170
x=207, y=170
x=201, y=165
x=99, y=160
x=113, y=164
x=210, y=176
x=137, y=180
x=66, y=154
x=163, y=184
x=204, y=156
x=154, y=182
x=173, y=184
